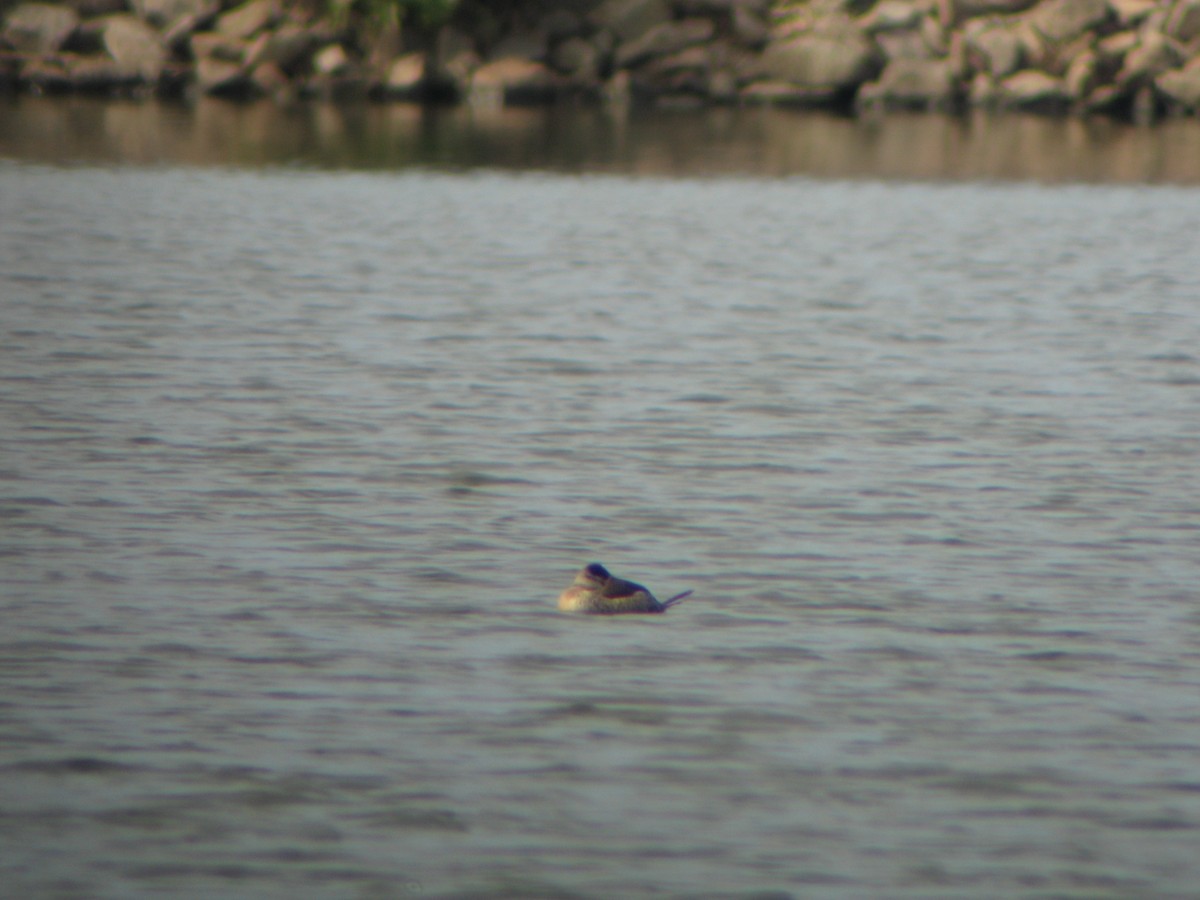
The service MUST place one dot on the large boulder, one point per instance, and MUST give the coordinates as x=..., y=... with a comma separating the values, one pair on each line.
x=135, y=46
x=39, y=28
x=511, y=80
x=1184, y=22
x=1062, y=20
x=247, y=19
x=1182, y=86
x=995, y=46
x=830, y=60
x=1033, y=90
x=914, y=83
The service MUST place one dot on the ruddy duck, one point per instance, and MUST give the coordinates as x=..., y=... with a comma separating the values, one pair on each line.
x=597, y=592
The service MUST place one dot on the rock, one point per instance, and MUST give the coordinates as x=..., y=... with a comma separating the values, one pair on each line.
x=913, y=83
x=1061, y=20
x=577, y=58
x=245, y=20
x=512, y=80
x=664, y=39
x=165, y=13
x=904, y=45
x=94, y=9
x=822, y=61
x=630, y=19
x=135, y=46
x=1183, y=24
x=1153, y=55
x=331, y=60
x=220, y=76
x=39, y=28
x=1132, y=12
x=287, y=47
x=997, y=47
x=892, y=15
x=210, y=45
x=1033, y=90
x=406, y=75
x=100, y=74
x=1081, y=75
x=1182, y=86
x=782, y=93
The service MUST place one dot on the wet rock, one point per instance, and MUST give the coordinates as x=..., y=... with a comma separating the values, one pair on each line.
x=1182, y=86
x=39, y=28
x=135, y=46
x=662, y=40
x=913, y=83
x=1062, y=20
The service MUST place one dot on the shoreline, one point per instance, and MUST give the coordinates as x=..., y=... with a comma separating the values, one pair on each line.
x=1136, y=60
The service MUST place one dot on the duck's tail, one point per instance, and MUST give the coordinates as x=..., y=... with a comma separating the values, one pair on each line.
x=669, y=603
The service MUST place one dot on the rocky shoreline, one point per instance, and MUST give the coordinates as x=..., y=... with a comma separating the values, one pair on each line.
x=1135, y=59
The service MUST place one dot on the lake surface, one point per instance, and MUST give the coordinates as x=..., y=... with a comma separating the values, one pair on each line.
x=295, y=460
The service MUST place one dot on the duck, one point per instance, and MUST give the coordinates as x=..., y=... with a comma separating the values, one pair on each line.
x=595, y=591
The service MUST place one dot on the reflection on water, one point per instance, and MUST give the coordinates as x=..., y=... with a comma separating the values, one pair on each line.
x=655, y=142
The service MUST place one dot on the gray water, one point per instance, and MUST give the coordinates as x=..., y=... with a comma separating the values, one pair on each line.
x=295, y=464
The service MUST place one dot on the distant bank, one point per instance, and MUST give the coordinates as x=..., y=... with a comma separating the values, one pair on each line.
x=1137, y=59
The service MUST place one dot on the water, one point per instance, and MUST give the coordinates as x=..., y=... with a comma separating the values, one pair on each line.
x=295, y=463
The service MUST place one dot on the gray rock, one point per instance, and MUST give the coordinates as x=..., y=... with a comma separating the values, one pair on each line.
x=1184, y=22
x=287, y=47
x=998, y=48
x=220, y=76
x=39, y=27
x=913, y=83
x=630, y=19
x=135, y=46
x=1153, y=55
x=664, y=39
x=165, y=13
x=822, y=61
x=247, y=19
x=1062, y=20
x=1182, y=86
x=1034, y=90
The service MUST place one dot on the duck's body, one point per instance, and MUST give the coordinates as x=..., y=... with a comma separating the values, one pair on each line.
x=596, y=592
